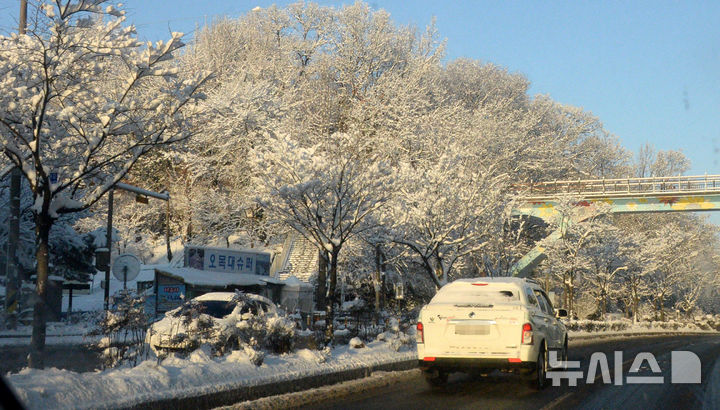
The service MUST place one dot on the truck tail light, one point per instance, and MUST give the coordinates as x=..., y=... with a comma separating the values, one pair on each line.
x=419, y=336
x=527, y=334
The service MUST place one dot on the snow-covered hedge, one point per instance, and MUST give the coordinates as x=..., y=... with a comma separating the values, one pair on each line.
x=706, y=322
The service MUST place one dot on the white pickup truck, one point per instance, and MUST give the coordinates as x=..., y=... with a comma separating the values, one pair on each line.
x=481, y=324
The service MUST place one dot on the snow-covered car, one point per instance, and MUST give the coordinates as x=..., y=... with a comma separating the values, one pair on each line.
x=482, y=324
x=208, y=315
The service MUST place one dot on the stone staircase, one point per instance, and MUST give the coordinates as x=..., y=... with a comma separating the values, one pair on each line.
x=299, y=258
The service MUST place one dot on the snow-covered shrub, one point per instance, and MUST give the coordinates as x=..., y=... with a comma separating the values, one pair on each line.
x=123, y=328
x=690, y=324
x=256, y=356
x=280, y=334
x=274, y=333
x=598, y=325
x=394, y=335
x=708, y=322
x=356, y=343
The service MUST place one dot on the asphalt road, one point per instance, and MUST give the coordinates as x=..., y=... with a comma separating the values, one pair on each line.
x=500, y=390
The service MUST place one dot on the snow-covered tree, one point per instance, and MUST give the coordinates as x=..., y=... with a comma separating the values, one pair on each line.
x=568, y=258
x=446, y=212
x=610, y=254
x=649, y=163
x=326, y=192
x=70, y=248
x=81, y=101
x=667, y=252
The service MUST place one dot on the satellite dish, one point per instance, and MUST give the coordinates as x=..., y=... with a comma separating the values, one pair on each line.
x=126, y=267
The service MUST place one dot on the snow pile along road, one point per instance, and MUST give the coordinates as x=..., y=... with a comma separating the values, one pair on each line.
x=197, y=375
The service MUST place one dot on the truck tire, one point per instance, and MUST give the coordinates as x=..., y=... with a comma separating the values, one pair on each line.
x=435, y=378
x=539, y=377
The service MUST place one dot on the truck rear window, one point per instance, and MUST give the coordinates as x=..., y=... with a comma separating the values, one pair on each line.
x=476, y=296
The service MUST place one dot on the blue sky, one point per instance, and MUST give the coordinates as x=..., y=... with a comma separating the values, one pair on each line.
x=650, y=70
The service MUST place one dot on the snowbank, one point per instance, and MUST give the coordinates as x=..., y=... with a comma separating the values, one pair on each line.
x=705, y=323
x=197, y=374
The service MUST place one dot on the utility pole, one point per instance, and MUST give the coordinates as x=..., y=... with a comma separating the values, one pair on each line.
x=167, y=229
x=12, y=272
x=108, y=245
x=140, y=192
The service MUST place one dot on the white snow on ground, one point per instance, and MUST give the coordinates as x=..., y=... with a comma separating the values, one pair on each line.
x=96, y=299
x=58, y=333
x=177, y=377
x=65, y=333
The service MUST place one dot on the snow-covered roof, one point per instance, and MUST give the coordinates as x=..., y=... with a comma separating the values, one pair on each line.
x=269, y=279
x=301, y=261
x=208, y=278
x=296, y=284
x=147, y=273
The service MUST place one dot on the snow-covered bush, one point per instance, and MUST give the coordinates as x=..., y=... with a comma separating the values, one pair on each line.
x=280, y=336
x=598, y=325
x=394, y=336
x=356, y=343
x=123, y=328
x=708, y=322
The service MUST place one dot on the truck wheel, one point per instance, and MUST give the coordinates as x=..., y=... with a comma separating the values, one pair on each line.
x=435, y=378
x=539, y=379
x=561, y=356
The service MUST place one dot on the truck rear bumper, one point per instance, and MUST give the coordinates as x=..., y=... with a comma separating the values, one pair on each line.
x=465, y=364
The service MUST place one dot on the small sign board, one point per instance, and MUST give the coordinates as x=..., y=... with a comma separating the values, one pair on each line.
x=170, y=296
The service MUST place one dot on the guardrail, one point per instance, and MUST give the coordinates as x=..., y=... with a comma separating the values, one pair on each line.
x=623, y=186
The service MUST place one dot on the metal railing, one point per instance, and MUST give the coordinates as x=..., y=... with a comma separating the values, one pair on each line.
x=622, y=186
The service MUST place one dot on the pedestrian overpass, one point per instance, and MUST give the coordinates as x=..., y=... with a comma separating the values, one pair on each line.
x=627, y=195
